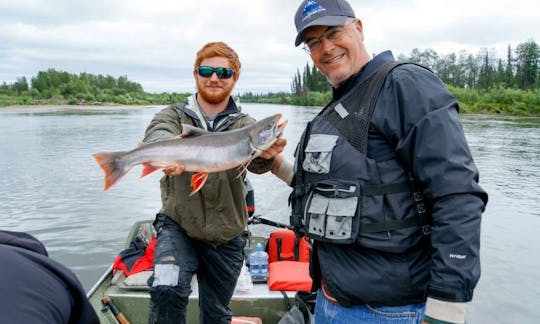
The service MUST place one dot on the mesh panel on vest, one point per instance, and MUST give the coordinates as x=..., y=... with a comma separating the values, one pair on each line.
x=359, y=103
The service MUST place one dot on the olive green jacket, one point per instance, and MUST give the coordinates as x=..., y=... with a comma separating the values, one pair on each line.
x=217, y=213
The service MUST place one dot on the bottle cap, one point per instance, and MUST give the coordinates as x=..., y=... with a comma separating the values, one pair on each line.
x=259, y=247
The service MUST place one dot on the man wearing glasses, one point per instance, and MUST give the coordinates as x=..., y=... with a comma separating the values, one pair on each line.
x=201, y=234
x=384, y=184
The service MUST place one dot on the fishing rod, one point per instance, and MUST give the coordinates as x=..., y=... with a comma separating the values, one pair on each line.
x=257, y=219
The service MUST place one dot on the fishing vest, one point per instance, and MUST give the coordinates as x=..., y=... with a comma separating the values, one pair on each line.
x=342, y=196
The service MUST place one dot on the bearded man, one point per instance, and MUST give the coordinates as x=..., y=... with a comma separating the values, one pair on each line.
x=202, y=233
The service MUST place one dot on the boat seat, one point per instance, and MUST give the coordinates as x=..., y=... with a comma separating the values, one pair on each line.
x=137, y=281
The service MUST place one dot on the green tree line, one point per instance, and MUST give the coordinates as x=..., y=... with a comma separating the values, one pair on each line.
x=59, y=87
x=484, y=71
x=481, y=83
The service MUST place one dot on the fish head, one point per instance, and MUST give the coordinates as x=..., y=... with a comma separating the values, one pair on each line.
x=266, y=131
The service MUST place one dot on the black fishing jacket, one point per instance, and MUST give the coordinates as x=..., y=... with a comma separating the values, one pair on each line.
x=395, y=211
x=34, y=289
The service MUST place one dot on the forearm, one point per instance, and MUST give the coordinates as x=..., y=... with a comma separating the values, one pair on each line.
x=455, y=239
x=283, y=169
x=157, y=136
x=455, y=236
x=164, y=125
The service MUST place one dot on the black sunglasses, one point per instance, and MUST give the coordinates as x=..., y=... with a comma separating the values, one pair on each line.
x=222, y=72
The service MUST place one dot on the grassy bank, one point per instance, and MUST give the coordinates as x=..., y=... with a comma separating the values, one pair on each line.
x=499, y=101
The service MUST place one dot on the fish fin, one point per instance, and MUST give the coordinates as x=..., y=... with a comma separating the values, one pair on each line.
x=148, y=168
x=242, y=169
x=189, y=130
x=244, y=166
x=197, y=182
x=111, y=165
x=242, y=172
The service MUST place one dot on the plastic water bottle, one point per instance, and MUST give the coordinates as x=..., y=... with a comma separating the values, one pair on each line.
x=258, y=264
x=244, y=283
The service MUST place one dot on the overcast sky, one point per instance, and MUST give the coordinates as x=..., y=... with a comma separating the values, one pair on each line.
x=153, y=42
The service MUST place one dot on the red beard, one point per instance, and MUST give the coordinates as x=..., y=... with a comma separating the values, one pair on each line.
x=214, y=97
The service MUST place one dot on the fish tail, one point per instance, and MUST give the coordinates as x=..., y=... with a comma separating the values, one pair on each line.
x=111, y=164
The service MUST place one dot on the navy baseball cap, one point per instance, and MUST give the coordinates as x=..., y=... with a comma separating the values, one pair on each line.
x=321, y=13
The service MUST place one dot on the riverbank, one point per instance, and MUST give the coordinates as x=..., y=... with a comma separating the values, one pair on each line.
x=468, y=104
x=55, y=108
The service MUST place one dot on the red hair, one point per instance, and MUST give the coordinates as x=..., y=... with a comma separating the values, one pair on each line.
x=222, y=50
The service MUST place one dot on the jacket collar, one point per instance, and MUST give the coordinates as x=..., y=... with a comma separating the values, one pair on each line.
x=192, y=109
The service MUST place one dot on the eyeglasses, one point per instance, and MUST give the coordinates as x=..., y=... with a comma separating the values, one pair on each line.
x=332, y=34
x=221, y=72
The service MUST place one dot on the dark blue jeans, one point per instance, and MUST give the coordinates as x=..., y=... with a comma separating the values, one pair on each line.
x=176, y=258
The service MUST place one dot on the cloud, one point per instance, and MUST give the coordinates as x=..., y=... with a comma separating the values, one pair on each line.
x=452, y=26
x=154, y=42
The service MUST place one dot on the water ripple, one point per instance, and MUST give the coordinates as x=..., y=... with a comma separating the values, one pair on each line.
x=53, y=189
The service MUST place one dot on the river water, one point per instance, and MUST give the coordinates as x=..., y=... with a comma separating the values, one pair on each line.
x=52, y=188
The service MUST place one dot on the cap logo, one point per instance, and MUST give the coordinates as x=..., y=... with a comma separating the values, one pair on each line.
x=310, y=9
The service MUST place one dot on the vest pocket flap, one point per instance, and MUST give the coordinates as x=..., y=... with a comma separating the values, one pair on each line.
x=332, y=218
x=321, y=143
x=342, y=206
x=339, y=219
x=319, y=153
x=318, y=204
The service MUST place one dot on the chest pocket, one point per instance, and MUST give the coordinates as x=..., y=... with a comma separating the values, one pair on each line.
x=331, y=211
x=331, y=218
x=318, y=153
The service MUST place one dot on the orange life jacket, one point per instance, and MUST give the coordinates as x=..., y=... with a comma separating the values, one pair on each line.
x=289, y=276
x=283, y=245
x=288, y=261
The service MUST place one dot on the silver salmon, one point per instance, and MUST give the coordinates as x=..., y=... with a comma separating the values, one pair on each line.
x=198, y=150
